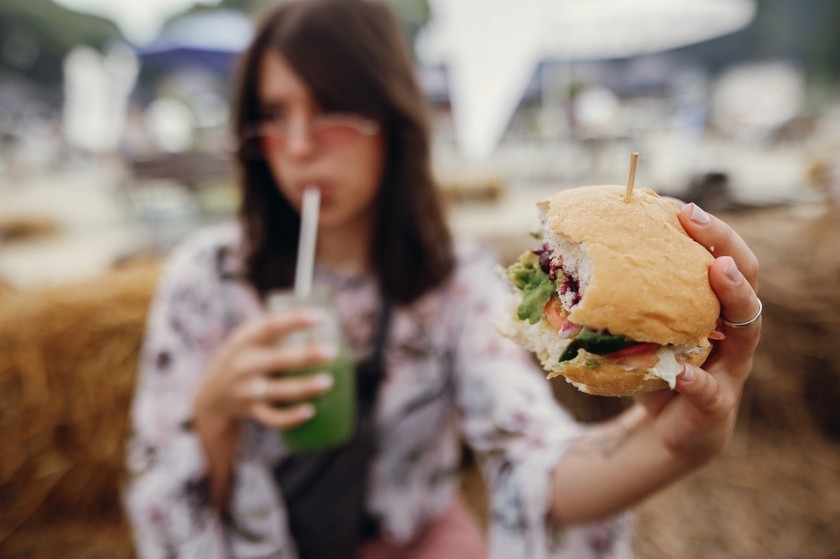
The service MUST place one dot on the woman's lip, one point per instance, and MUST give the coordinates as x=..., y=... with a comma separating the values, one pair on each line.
x=324, y=188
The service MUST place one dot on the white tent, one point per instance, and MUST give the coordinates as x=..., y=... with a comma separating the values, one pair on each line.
x=492, y=47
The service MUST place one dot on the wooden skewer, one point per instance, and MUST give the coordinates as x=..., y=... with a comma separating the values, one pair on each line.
x=634, y=159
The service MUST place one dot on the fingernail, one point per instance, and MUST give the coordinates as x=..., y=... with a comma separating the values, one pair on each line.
x=313, y=316
x=306, y=411
x=323, y=381
x=327, y=352
x=699, y=216
x=688, y=373
x=732, y=272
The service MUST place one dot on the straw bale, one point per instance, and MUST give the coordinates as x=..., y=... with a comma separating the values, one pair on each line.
x=72, y=538
x=68, y=358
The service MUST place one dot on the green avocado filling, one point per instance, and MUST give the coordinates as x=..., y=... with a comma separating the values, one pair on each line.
x=595, y=342
x=526, y=275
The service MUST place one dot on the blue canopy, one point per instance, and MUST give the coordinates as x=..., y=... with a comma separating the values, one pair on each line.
x=212, y=39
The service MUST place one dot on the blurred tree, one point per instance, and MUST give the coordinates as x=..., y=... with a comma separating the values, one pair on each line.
x=413, y=13
x=247, y=6
x=35, y=35
x=805, y=32
x=823, y=52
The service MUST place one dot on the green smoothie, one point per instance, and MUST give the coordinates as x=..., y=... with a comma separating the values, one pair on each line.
x=334, y=422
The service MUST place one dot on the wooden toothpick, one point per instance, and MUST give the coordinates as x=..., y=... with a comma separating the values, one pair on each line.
x=634, y=159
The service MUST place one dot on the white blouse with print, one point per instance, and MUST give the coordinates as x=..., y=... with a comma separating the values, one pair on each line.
x=451, y=378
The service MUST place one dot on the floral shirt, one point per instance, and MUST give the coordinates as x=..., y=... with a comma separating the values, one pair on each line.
x=451, y=378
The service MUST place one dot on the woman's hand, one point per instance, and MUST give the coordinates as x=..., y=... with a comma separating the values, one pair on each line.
x=615, y=464
x=696, y=421
x=242, y=381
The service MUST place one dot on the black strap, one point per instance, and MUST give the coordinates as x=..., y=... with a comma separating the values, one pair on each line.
x=325, y=492
x=370, y=372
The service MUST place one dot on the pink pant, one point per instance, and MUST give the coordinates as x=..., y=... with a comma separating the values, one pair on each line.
x=453, y=534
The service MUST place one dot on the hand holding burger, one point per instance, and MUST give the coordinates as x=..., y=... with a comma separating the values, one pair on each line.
x=582, y=313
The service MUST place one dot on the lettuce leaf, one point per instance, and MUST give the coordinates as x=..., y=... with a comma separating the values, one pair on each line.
x=527, y=276
x=595, y=342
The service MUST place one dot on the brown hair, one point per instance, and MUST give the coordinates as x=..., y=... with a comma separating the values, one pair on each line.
x=354, y=57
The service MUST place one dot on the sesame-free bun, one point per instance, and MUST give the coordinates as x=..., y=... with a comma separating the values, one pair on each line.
x=647, y=279
x=638, y=275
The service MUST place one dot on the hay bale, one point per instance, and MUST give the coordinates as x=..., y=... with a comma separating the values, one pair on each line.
x=72, y=538
x=68, y=358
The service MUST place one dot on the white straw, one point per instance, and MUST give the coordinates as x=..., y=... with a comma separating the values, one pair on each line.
x=306, y=243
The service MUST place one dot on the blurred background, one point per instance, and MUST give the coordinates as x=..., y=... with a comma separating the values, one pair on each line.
x=115, y=117
x=115, y=142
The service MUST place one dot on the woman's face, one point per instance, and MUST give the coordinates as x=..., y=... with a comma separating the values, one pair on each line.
x=342, y=155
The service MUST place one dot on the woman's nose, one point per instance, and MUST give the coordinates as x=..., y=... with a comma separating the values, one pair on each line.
x=300, y=142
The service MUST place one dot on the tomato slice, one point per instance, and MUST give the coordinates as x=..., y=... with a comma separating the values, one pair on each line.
x=633, y=350
x=555, y=313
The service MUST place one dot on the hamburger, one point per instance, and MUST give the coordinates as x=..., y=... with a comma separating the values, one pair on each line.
x=617, y=296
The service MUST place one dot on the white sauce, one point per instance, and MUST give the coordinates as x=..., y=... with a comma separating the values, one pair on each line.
x=667, y=368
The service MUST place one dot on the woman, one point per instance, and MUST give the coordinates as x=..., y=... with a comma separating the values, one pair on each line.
x=328, y=98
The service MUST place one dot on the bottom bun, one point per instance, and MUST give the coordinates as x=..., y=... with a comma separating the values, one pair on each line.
x=603, y=377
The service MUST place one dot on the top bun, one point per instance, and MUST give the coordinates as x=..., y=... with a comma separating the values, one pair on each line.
x=646, y=278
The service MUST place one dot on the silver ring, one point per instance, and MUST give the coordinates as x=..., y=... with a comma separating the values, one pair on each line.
x=259, y=388
x=747, y=323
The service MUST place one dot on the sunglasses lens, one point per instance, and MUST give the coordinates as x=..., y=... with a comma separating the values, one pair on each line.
x=326, y=134
x=336, y=135
x=272, y=143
